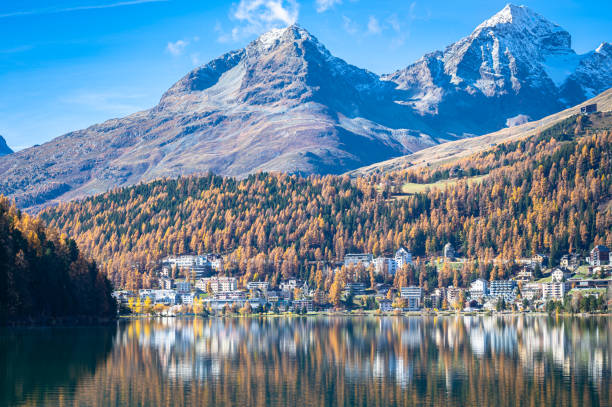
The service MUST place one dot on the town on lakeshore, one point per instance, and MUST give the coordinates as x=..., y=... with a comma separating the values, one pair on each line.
x=201, y=284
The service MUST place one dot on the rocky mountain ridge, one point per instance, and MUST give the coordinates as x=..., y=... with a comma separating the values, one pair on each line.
x=285, y=103
x=4, y=148
x=514, y=67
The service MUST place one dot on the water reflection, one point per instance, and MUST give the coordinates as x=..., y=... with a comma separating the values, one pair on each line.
x=334, y=361
x=39, y=364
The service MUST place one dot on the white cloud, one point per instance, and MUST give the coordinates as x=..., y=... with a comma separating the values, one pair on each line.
x=374, y=26
x=324, y=5
x=258, y=16
x=54, y=10
x=349, y=25
x=394, y=23
x=176, y=48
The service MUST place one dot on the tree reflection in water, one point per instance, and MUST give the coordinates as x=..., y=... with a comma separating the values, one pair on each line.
x=338, y=361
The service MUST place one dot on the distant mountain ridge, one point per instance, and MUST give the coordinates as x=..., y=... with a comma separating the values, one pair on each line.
x=285, y=103
x=516, y=64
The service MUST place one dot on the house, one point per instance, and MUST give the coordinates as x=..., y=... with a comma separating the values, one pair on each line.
x=570, y=261
x=123, y=296
x=437, y=297
x=525, y=275
x=453, y=294
x=292, y=284
x=258, y=285
x=192, y=264
x=187, y=299
x=216, y=262
x=218, y=284
x=402, y=257
x=273, y=296
x=385, y=305
x=382, y=264
x=166, y=297
x=358, y=258
x=413, y=296
x=559, y=274
x=600, y=255
x=449, y=252
x=166, y=283
x=298, y=305
x=230, y=295
x=540, y=259
x=588, y=109
x=355, y=288
x=505, y=289
x=553, y=291
x=531, y=291
x=183, y=287
x=479, y=288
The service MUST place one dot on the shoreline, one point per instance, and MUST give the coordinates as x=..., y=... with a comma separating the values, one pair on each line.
x=367, y=314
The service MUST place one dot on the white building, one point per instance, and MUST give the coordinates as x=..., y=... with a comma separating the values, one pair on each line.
x=553, y=291
x=559, y=275
x=525, y=275
x=531, y=291
x=183, y=287
x=449, y=251
x=452, y=295
x=505, y=289
x=197, y=264
x=166, y=283
x=384, y=263
x=167, y=297
x=358, y=258
x=258, y=285
x=402, y=257
x=291, y=285
x=187, y=299
x=413, y=295
x=218, y=284
x=479, y=288
x=385, y=305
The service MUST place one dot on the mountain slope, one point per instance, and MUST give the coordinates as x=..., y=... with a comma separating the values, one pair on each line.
x=283, y=103
x=548, y=192
x=4, y=148
x=515, y=66
x=451, y=151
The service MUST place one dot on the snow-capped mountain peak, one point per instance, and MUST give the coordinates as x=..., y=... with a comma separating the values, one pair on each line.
x=521, y=17
x=502, y=69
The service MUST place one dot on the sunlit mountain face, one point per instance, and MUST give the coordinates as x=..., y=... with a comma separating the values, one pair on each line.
x=285, y=103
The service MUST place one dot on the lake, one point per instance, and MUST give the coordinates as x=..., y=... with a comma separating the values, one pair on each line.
x=312, y=361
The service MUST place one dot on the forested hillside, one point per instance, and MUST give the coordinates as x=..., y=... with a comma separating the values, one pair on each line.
x=43, y=277
x=550, y=193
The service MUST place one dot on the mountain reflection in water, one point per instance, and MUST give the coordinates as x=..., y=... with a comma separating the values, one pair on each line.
x=313, y=361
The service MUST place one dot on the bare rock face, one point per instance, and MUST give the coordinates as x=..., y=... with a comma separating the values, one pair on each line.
x=515, y=64
x=284, y=103
x=4, y=148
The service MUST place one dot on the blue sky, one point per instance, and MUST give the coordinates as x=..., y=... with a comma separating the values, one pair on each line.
x=67, y=64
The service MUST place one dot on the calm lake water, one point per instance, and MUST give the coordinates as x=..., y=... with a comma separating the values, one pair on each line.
x=312, y=361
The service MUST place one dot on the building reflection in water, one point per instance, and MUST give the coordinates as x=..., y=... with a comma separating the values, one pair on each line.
x=320, y=361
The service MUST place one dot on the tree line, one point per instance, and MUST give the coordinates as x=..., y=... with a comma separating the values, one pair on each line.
x=547, y=193
x=44, y=277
